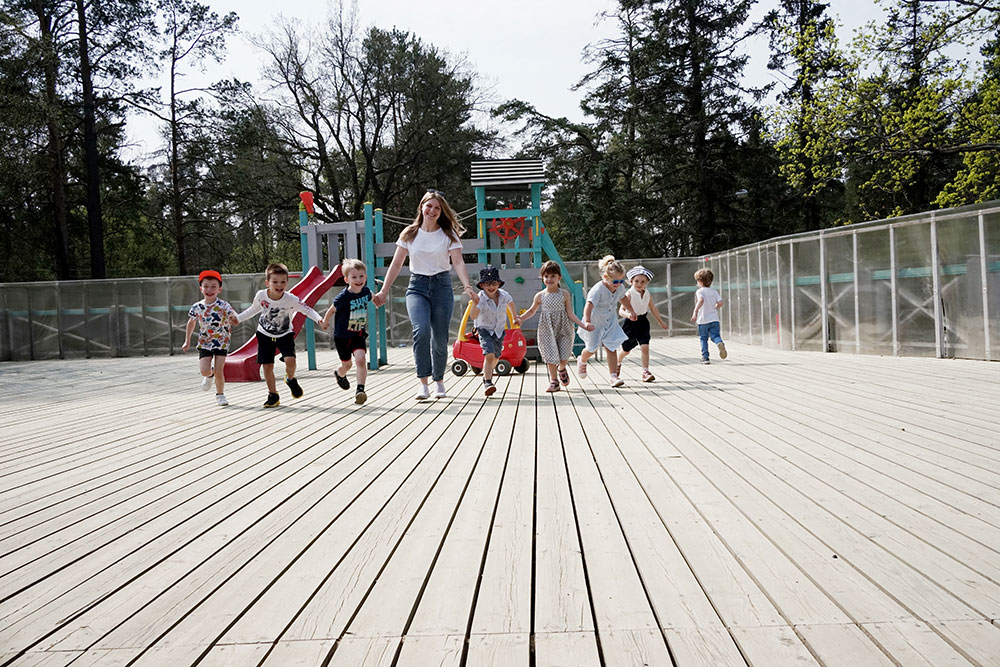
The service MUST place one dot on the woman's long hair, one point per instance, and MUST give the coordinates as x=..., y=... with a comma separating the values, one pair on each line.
x=447, y=221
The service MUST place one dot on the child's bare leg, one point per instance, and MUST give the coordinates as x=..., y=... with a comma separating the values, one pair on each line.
x=205, y=366
x=289, y=367
x=612, y=360
x=554, y=370
x=359, y=357
x=622, y=353
x=488, y=363
x=220, y=375
x=644, y=350
x=585, y=355
x=345, y=366
x=269, y=378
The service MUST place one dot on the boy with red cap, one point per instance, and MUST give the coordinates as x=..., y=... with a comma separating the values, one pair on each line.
x=215, y=318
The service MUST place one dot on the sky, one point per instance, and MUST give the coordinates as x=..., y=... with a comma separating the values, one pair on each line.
x=530, y=50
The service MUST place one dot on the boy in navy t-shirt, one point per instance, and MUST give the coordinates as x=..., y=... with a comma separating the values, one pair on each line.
x=350, y=325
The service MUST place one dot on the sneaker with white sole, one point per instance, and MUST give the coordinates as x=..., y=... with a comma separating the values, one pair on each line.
x=616, y=381
x=722, y=351
x=206, y=382
x=423, y=392
x=706, y=362
x=221, y=399
x=581, y=368
x=439, y=391
x=647, y=376
x=488, y=387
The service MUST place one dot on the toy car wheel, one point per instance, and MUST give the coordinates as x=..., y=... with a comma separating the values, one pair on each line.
x=503, y=367
x=477, y=371
x=522, y=367
x=459, y=367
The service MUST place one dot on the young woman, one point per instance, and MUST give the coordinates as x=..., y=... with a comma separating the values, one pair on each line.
x=433, y=243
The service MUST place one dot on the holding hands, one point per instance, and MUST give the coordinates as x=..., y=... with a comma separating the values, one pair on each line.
x=587, y=326
x=473, y=296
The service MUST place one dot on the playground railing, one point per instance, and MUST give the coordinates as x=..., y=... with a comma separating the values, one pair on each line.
x=920, y=285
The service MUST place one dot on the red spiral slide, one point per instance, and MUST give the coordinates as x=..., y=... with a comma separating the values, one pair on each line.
x=241, y=365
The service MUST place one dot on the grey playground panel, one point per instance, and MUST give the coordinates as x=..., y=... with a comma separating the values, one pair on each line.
x=921, y=285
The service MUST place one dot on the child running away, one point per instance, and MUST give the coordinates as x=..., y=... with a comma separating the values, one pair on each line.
x=489, y=308
x=350, y=326
x=214, y=318
x=274, y=329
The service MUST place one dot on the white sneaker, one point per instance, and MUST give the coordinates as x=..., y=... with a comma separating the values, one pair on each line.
x=206, y=383
x=616, y=381
x=439, y=391
x=423, y=392
x=221, y=399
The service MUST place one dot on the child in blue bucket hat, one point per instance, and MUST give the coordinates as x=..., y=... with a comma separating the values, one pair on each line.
x=489, y=309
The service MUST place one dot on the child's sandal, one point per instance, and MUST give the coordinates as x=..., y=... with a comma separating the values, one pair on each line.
x=553, y=386
x=564, y=376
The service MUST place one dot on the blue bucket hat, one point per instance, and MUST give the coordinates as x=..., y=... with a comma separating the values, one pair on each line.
x=489, y=274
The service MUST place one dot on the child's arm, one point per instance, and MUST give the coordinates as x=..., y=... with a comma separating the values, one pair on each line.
x=254, y=308
x=530, y=312
x=572, y=316
x=311, y=314
x=718, y=304
x=656, y=314
x=587, y=310
x=697, y=306
x=330, y=312
x=187, y=334
x=627, y=302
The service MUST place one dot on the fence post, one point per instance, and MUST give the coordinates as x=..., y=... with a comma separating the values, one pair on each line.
x=791, y=291
x=59, y=319
x=670, y=303
x=985, y=274
x=170, y=320
x=936, y=295
x=892, y=287
x=777, y=287
x=825, y=322
x=857, y=298
x=730, y=304
x=760, y=292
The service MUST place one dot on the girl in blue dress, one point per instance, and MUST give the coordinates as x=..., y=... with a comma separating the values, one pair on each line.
x=600, y=311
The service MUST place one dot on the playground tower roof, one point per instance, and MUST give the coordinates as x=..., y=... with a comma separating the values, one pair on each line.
x=493, y=173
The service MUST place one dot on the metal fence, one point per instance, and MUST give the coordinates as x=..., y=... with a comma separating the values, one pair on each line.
x=921, y=285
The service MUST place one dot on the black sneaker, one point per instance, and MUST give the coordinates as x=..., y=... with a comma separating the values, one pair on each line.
x=361, y=396
x=488, y=388
x=342, y=381
x=272, y=401
x=293, y=384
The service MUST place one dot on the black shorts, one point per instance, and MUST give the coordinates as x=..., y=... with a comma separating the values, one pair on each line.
x=637, y=332
x=267, y=346
x=348, y=344
x=202, y=353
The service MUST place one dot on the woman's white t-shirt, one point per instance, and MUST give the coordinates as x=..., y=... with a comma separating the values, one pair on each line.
x=429, y=252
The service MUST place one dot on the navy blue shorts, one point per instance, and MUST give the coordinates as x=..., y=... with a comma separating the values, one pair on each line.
x=490, y=343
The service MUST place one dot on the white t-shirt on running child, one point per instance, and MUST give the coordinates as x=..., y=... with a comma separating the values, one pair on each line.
x=708, y=313
x=276, y=315
x=640, y=304
x=429, y=252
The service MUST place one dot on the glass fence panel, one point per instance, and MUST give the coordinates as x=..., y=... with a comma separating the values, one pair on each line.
x=45, y=321
x=840, y=292
x=915, y=290
x=770, y=290
x=875, y=291
x=784, y=251
x=101, y=326
x=807, y=314
x=17, y=303
x=682, y=289
x=991, y=232
x=755, y=297
x=718, y=265
x=961, y=283
x=156, y=315
x=131, y=317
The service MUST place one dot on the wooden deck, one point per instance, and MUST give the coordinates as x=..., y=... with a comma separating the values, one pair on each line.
x=774, y=509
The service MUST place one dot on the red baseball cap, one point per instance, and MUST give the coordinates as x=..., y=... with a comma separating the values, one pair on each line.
x=209, y=274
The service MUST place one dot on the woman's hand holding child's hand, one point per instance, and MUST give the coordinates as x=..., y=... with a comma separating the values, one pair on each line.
x=472, y=295
x=379, y=299
x=587, y=326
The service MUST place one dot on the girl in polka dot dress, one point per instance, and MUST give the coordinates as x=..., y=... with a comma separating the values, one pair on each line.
x=555, y=325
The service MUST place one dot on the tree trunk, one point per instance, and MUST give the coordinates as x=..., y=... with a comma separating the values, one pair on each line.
x=56, y=164
x=176, y=201
x=95, y=218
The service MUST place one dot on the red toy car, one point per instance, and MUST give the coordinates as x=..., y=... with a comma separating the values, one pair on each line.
x=468, y=354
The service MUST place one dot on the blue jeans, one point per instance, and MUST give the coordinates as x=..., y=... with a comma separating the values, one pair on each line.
x=429, y=303
x=706, y=331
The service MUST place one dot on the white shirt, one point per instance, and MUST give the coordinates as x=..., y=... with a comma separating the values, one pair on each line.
x=493, y=316
x=640, y=304
x=429, y=252
x=708, y=312
x=276, y=315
